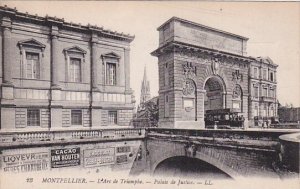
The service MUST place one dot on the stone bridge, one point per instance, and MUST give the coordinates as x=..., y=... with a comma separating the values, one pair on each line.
x=174, y=152
x=232, y=153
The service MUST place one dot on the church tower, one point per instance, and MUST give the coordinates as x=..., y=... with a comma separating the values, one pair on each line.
x=145, y=89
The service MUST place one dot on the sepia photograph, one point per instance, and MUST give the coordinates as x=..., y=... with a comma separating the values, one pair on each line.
x=149, y=94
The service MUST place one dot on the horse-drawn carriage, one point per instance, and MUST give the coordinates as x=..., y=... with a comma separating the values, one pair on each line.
x=223, y=119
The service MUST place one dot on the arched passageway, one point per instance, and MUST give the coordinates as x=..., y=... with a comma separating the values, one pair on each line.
x=214, y=98
x=187, y=167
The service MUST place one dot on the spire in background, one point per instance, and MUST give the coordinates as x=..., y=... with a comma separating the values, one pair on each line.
x=145, y=89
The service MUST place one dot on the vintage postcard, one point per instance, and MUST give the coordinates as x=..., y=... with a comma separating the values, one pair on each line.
x=150, y=94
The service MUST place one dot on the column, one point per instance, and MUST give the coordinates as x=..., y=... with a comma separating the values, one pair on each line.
x=95, y=80
x=55, y=103
x=7, y=106
x=224, y=99
x=7, y=62
x=55, y=58
x=127, y=69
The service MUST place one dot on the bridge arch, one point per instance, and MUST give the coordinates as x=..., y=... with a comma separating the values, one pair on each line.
x=177, y=149
x=183, y=166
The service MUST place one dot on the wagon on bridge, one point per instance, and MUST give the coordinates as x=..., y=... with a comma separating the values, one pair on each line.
x=223, y=119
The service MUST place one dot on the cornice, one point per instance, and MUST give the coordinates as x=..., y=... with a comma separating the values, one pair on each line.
x=172, y=46
x=61, y=23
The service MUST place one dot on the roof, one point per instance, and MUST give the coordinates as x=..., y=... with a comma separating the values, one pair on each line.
x=60, y=21
x=266, y=60
x=202, y=26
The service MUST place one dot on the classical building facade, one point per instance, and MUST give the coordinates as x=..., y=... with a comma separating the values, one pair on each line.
x=59, y=75
x=203, y=68
x=262, y=86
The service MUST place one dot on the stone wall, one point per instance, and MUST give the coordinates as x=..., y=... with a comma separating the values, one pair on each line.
x=54, y=45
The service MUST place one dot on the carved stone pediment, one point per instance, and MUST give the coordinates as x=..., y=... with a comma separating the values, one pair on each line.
x=111, y=55
x=74, y=49
x=31, y=43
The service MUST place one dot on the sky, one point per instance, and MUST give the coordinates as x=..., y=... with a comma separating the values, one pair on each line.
x=273, y=29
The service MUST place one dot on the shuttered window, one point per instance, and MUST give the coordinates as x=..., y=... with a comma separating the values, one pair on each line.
x=111, y=74
x=32, y=65
x=112, y=117
x=75, y=70
x=76, y=117
x=33, y=117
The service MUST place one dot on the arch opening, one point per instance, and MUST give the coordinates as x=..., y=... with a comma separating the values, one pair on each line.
x=214, y=98
x=187, y=167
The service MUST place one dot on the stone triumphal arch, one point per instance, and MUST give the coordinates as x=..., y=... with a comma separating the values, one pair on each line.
x=200, y=69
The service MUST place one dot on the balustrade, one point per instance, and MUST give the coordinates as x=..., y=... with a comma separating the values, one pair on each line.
x=43, y=136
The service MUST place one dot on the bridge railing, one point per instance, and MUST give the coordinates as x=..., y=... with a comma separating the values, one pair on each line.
x=268, y=135
x=19, y=138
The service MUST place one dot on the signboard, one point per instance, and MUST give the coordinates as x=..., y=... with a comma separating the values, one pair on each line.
x=123, y=149
x=99, y=157
x=65, y=157
x=121, y=159
x=26, y=162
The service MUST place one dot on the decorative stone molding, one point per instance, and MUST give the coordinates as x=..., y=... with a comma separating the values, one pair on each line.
x=75, y=50
x=237, y=76
x=215, y=65
x=189, y=71
x=31, y=44
x=110, y=57
x=188, y=87
x=237, y=92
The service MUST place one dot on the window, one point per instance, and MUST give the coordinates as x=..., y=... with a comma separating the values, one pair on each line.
x=32, y=65
x=76, y=117
x=31, y=52
x=75, y=59
x=75, y=70
x=111, y=73
x=110, y=68
x=271, y=93
x=167, y=113
x=272, y=76
x=255, y=91
x=33, y=117
x=265, y=92
x=255, y=110
x=255, y=74
x=264, y=74
x=166, y=71
x=271, y=111
x=263, y=111
x=112, y=117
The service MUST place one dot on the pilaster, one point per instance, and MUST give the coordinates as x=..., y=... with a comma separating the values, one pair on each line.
x=94, y=62
x=127, y=70
x=54, y=58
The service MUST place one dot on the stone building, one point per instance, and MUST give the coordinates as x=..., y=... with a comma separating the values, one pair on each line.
x=203, y=68
x=59, y=75
x=262, y=86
